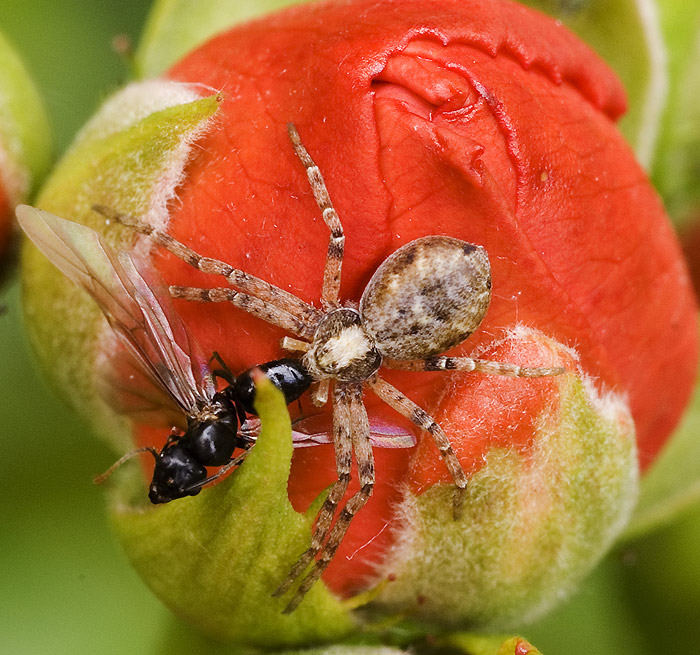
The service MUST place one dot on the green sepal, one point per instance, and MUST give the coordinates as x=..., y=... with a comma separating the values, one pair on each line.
x=120, y=166
x=25, y=136
x=175, y=27
x=342, y=649
x=471, y=644
x=532, y=526
x=215, y=559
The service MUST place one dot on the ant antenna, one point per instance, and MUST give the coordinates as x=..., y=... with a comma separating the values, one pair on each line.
x=99, y=479
x=221, y=472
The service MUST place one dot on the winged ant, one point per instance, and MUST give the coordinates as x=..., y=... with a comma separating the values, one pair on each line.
x=157, y=344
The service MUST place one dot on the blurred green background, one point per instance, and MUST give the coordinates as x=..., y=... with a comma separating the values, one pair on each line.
x=65, y=587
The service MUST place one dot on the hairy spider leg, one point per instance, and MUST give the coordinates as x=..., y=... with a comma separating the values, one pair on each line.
x=351, y=398
x=417, y=415
x=330, y=291
x=336, y=245
x=342, y=445
x=320, y=393
x=250, y=304
x=467, y=364
x=250, y=285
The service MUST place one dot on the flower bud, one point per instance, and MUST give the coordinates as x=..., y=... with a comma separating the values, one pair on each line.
x=486, y=122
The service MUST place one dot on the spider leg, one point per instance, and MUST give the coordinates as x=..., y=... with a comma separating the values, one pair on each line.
x=259, y=308
x=294, y=345
x=319, y=396
x=406, y=407
x=342, y=443
x=336, y=243
x=468, y=364
x=365, y=463
x=248, y=283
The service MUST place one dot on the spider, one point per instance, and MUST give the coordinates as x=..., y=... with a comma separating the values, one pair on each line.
x=425, y=298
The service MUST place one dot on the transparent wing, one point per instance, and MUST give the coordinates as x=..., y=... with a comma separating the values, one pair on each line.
x=128, y=389
x=316, y=429
x=146, y=325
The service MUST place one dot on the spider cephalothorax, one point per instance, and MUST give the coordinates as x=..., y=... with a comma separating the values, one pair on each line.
x=425, y=298
x=342, y=349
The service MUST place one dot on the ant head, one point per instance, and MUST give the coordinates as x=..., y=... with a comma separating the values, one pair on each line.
x=177, y=474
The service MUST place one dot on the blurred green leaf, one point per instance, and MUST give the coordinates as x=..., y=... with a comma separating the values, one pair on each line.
x=661, y=578
x=174, y=27
x=676, y=169
x=216, y=559
x=25, y=138
x=672, y=485
x=627, y=34
x=597, y=620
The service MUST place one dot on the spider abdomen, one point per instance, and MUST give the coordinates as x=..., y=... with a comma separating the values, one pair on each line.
x=427, y=297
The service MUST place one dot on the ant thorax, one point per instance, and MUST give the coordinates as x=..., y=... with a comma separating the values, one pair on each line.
x=342, y=349
x=207, y=414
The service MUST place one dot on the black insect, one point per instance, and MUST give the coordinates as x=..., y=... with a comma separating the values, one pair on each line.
x=213, y=434
x=170, y=383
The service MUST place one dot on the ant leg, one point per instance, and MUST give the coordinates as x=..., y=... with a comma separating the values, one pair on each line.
x=250, y=284
x=342, y=442
x=99, y=479
x=406, y=407
x=224, y=372
x=365, y=464
x=336, y=243
x=468, y=364
x=236, y=461
x=259, y=308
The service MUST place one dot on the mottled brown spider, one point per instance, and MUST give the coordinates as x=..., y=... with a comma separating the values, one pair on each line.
x=425, y=298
